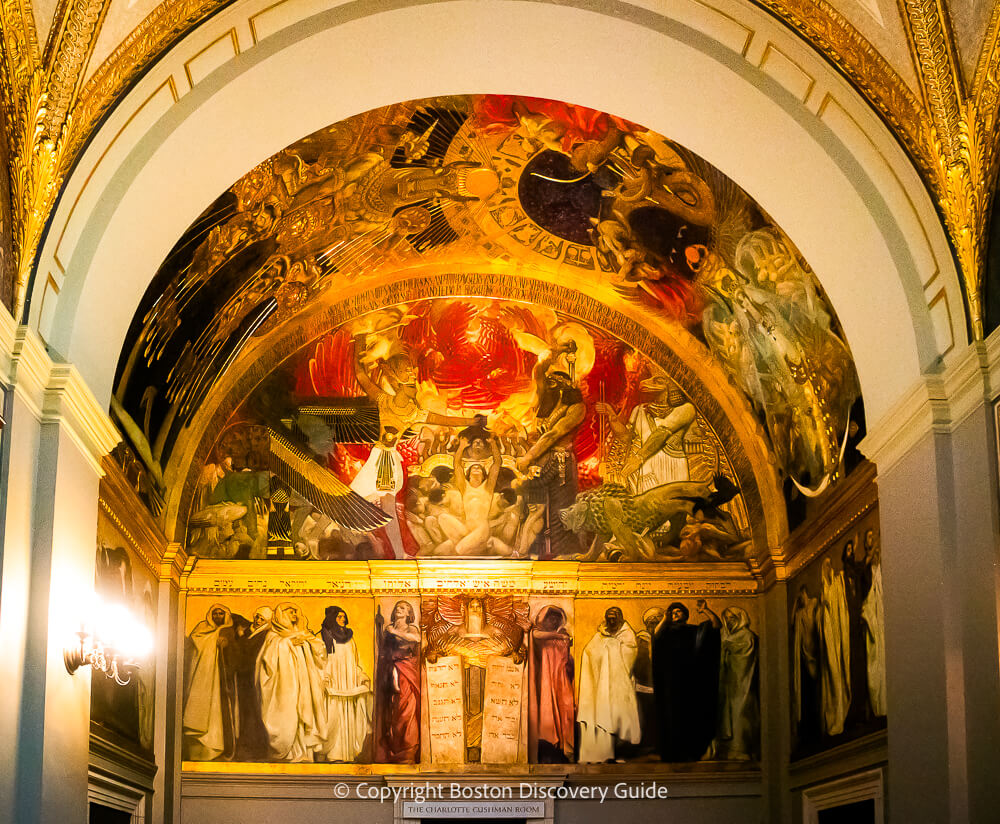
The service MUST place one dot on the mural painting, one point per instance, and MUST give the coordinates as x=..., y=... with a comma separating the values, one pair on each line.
x=475, y=653
x=472, y=678
x=124, y=578
x=397, y=681
x=281, y=681
x=469, y=427
x=493, y=179
x=671, y=681
x=551, y=674
x=837, y=632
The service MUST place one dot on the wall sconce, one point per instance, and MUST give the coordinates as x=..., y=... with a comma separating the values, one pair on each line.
x=112, y=641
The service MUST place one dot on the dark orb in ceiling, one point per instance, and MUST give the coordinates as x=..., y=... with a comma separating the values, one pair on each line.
x=562, y=208
x=666, y=236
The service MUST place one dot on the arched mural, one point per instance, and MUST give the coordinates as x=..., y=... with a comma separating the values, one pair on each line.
x=524, y=184
x=469, y=427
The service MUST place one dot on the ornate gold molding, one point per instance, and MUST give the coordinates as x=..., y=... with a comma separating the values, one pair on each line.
x=830, y=33
x=851, y=505
x=41, y=91
x=19, y=84
x=163, y=27
x=121, y=505
x=437, y=576
x=69, y=47
x=20, y=50
x=962, y=136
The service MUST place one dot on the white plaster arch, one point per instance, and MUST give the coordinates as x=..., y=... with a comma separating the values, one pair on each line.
x=723, y=78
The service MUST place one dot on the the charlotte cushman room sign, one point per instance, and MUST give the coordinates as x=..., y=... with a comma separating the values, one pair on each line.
x=466, y=810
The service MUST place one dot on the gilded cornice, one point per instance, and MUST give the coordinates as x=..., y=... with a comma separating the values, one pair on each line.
x=166, y=24
x=67, y=51
x=430, y=576
x=830, y=33
x=19, y=90
x=41, y=90
x=961, y=133
x=20, y=50
x=854, y=500
x=986, y=66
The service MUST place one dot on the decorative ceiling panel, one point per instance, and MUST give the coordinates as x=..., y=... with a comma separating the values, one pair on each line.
x=529, y=187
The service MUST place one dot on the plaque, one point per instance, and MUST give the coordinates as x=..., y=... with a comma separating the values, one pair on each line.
x=446, y=722
x=502, y=710
x=471, y=810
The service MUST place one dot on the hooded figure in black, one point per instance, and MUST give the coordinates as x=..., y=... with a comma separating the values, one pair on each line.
x=348, y=691
x=686, y=681
x=251, y=744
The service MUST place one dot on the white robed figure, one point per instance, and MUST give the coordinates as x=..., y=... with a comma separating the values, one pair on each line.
x=289, y=678
x=348, y=690
x=209, y=708
x=661, y=430
x=835, y=684
x=608, y=709
x=382, y=476
x=874, y=616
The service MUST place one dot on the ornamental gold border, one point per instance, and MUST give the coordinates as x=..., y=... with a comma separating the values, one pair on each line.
x=168, y=23
x=865, y=69
x=119, y=503
x=435, y=576
x=854, y=503
x=319, y=773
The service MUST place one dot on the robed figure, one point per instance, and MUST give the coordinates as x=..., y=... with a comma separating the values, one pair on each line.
x=348, y=690
x=608, y=713
x=806, y=655
x=293, y=701
x=835, y=682
x=857, y=583
x=874, y=616
x=686, y=682
x=739, y=701
x=251, y=743
x=642, y=675
x=210, y=715
x=550, y=689
x=397, y=686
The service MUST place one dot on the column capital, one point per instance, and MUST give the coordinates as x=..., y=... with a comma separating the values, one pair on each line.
x=54, y=392
x=938, y=402
x=69, y=402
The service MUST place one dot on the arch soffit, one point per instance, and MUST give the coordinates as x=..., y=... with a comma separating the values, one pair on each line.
x=795, y=136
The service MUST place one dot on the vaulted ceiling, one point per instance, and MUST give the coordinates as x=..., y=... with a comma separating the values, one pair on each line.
x=929, y=69
x=479, y=237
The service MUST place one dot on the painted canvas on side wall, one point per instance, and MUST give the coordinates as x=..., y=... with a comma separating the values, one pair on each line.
x=123, y=577
x=837, y=636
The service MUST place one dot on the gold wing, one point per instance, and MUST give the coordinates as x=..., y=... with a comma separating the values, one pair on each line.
x=321, y=487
